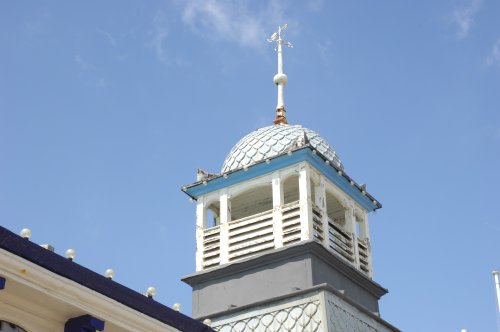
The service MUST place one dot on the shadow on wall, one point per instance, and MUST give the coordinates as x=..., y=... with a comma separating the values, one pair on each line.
x=10, y=327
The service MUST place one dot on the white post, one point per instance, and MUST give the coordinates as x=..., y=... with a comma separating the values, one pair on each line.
x=278, y=201
x=320, y=197
x=201, y=224
x=364, y=232
x=225, y=218
x=305, y=205
x=497, y=288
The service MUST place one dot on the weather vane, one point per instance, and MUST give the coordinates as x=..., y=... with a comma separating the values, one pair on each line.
x=280, y=78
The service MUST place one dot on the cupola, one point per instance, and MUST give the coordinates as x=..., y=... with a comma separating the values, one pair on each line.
x=282, y=222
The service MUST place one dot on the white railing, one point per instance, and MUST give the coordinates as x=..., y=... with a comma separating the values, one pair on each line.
x=318, y=231
x=254, y=235
x=290, y=216
x=340, y=242
x=251, y=235
x=211, y=247
x=364, y=255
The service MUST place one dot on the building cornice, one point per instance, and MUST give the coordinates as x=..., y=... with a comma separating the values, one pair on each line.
x=36, y=267
x=306, y=153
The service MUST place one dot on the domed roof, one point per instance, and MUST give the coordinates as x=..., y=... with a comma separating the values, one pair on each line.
x=271, y=141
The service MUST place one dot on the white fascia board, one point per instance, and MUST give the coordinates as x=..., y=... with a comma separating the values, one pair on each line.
x=71, y=293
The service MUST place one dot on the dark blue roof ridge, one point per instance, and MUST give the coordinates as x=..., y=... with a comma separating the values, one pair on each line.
x=59, y=265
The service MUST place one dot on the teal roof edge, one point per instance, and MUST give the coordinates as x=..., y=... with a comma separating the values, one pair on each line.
x=338, y=177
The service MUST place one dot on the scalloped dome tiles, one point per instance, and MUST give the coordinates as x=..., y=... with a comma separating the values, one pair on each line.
x=271, y=141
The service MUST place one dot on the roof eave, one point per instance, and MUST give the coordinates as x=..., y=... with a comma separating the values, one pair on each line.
x=71, y=270
x=191, y=191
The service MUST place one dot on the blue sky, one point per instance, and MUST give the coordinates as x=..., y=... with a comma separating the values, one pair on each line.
x=108, y=107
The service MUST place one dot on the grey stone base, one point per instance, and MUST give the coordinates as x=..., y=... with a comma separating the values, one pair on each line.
x=278, y=274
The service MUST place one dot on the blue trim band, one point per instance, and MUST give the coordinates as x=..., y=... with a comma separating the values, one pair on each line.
x=262, y=168
x=2, y=283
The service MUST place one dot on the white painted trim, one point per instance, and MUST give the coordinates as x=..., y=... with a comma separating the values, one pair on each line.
x=72, y=294
x=242, y=187
x=201, y=225
x=345, y=200
x=363, y=227
x=210, y=198
x=278, y=201
x=305, y=203
x=321, y=203
x=225, y=218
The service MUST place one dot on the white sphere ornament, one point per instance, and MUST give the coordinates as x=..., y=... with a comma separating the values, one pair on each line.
x=70, y=254
x=207, y=322
x=109, y=273
x=150, y=292
x=280, y=79
x=25, y=233
x=177, y=307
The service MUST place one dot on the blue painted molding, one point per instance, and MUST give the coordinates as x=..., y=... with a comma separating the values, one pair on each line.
x=2, y=282
x=304, y=154
x=85, y=323
x=241, y=175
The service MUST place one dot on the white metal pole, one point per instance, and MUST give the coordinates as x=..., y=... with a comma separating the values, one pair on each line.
x=497, y=288
x=280, y=78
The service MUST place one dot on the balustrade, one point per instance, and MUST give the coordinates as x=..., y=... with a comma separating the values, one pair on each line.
x=253, y=235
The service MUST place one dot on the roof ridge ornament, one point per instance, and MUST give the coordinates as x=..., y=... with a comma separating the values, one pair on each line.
x=280, y=78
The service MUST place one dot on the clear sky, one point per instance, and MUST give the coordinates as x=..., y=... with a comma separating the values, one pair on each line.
x=108, y=107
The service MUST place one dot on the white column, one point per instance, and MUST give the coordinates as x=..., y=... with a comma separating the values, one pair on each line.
x=320, y=197
x=278, y=201
x=225, y=218
x=350, y=221
x=201, y=224
x=305, y=204
x=364, y=231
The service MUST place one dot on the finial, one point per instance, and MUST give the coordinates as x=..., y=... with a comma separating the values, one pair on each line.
x=150, y=292
x=280, y=78
x=70, y=254
x=109, y=274
x=25, y=233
